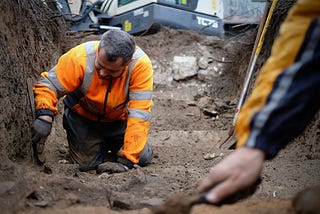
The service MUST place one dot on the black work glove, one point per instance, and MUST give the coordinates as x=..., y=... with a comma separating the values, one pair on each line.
x=122, y=165
x=39, y=132
x=111, y=167
x=125, y=162
x=40, y=129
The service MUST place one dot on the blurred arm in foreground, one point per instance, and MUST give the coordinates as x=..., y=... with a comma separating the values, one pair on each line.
x=285, y=99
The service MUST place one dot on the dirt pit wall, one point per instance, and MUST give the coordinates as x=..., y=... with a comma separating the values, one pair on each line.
x=29, y=36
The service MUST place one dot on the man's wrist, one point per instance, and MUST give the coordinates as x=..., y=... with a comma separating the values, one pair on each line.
x=256, y=152
x=42, y=112
x=46, y=118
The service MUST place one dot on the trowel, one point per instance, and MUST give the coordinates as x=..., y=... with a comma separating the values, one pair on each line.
x=183, y=204
x=179, y=204
x=37, y=150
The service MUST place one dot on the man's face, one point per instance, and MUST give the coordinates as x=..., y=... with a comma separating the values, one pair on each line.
x=108, y=70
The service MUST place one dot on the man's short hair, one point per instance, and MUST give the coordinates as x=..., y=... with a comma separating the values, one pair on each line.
x=117, y=43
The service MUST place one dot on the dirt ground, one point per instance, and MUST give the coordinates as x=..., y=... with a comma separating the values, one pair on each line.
x=191, y=119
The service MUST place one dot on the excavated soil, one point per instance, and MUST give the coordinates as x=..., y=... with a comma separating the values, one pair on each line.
x=191, y=118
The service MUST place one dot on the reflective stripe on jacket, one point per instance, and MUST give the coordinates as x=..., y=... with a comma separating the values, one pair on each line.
x=128, y=97
x=286, y=95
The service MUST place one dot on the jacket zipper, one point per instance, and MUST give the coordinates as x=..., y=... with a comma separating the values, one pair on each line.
x=105, y=101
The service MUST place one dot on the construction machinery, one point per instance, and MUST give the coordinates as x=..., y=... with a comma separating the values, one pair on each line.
x=139, y=16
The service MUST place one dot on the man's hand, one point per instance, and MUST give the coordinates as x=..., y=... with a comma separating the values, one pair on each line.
x=41, y=128
x=236, y=172
x=111, y=167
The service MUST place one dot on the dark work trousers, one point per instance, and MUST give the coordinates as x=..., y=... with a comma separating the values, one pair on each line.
x=92, y=143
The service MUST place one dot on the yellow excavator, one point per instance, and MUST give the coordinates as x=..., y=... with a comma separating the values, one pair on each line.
x=139, y=16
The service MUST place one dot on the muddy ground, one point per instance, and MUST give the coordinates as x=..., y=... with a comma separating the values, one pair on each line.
x=191, y=118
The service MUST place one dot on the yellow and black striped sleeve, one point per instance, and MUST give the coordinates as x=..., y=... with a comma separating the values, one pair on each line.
x=286, y=95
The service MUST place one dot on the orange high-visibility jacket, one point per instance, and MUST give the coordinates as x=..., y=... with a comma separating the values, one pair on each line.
x=287, y=92
x=128, y=97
